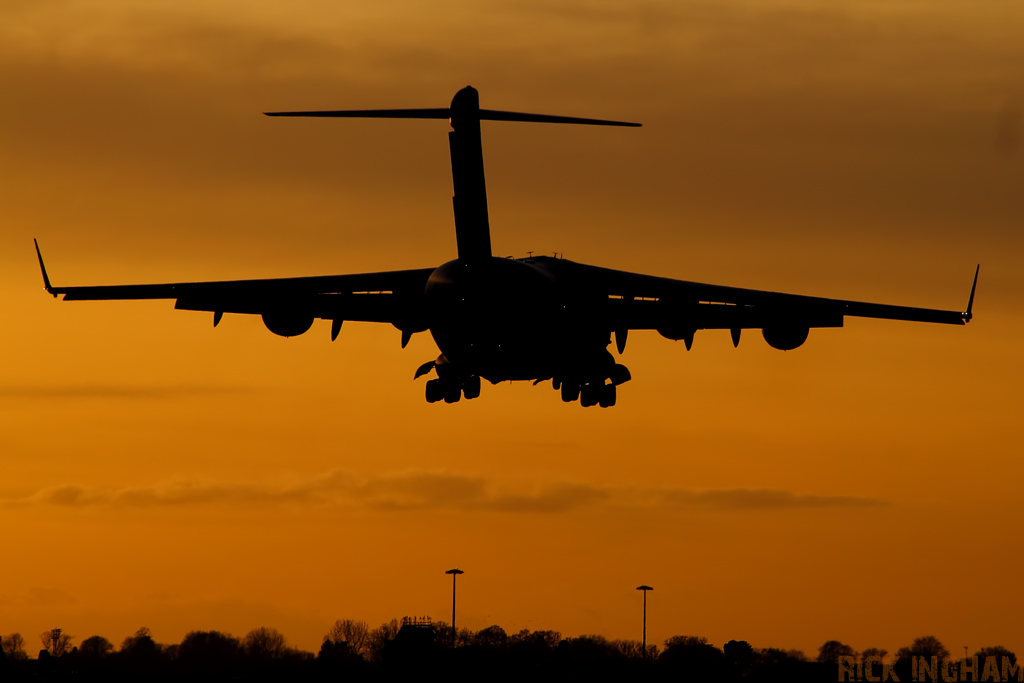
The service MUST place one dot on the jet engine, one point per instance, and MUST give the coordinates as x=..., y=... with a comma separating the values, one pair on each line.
x=287, y=323
x=785, y=338
x=676, y=332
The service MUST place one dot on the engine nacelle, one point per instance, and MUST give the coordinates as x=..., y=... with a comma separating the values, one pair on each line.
x=785, y=338
x=677, y=319
x=287, y=323
x=676, y=332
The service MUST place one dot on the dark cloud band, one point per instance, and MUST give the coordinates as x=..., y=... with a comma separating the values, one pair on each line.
x=421, y=490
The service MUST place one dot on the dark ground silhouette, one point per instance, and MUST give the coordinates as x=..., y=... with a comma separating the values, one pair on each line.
x=351, y=651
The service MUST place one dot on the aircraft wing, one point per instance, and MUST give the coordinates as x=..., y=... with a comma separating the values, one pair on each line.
x=638, y=301
x=388, y=297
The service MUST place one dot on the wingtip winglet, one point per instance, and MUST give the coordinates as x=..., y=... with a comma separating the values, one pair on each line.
x=969, y=313
x=42, y=267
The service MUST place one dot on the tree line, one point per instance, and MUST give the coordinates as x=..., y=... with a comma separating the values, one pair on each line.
x=353, y=651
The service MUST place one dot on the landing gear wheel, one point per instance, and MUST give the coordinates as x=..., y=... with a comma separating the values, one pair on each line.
x=570, y=391
x=589, y=395
x=472, y=387
x=607, y=396
x=435, y=391
x=452, y=392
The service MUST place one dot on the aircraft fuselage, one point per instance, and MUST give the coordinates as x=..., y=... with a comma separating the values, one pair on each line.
x=504, y=319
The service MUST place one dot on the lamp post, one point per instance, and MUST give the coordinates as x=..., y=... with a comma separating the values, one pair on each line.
x=455, y=573
x=645, y=588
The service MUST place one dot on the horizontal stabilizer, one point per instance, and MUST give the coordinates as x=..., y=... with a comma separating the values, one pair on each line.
x=370, y=113
x=445, y=113
x=493, y=115
x=469, y=203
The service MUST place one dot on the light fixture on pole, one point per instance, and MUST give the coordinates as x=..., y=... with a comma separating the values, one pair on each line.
x=454, y=573
x=645, y=588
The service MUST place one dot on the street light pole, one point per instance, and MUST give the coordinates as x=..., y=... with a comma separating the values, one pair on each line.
x=454, y=573
x=645, y=588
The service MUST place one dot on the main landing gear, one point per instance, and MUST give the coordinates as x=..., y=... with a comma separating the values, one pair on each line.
x=589, y=394
x=594, y=392
x=451, y=389
x=589, y=386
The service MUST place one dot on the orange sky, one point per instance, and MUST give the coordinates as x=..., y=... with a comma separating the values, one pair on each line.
x=159, y=472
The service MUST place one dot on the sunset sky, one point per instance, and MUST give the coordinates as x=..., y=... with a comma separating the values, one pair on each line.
x=157, y=472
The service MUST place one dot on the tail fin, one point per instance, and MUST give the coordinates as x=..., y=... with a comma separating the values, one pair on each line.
x=472, y=226
x=472, y=229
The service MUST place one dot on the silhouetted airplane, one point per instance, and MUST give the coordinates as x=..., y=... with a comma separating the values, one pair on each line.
x=538, y=318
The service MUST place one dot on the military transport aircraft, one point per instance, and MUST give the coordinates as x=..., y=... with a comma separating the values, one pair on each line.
x=538, y=318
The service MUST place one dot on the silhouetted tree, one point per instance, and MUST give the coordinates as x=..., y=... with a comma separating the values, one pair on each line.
x=330, y=650
x=140, y=656
x=773, y=656
x=594, y=657
x=354, y=634
x=533, y=651
x=464, y=638
x=693, y=654
x=209, y=654
x=926, y=646
x=526, y=638
x=691, y=658
x=493, y=637
x=56, y=642
x=337, y=661
x=265, y=643
x=634, y=649
x=379, y=637
x=95, y=647
x=208, y=645
x=417, y=651
x=832, y=650
x=874, y=652
x=739, y=654
x=14, y=647
x=594, y=648
x=140, y=644
x=141, y=638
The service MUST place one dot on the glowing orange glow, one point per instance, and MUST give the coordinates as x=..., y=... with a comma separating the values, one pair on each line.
x=158, y=472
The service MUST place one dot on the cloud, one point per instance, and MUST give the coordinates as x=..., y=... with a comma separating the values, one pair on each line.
x=1009, y=126
x=424, y=490
x=113, y=391
x=45, y=597
x=761, y=499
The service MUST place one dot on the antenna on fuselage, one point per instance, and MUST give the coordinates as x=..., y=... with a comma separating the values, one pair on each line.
x=472, y=229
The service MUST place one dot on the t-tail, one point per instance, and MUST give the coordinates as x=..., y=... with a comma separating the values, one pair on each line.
x=472, y=229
